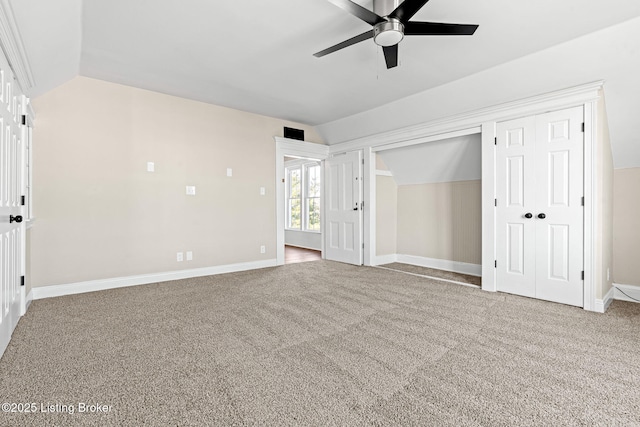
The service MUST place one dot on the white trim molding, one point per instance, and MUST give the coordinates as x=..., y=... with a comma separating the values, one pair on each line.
x=384, y=259
x=601, y=305
x=143, y=279
x=13, y=47
x=441, y=264
x=632, y=292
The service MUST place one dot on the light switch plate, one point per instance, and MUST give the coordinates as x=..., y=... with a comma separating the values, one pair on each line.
x=151, y=167
x=229, y=172
x=262, y=191
x=189, y=256
x=191, y=190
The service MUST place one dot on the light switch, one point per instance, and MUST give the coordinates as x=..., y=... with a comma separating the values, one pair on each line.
x=151, y=167
x=229, y=172
x=189, y=256
x=262, y=191
x=191, y=190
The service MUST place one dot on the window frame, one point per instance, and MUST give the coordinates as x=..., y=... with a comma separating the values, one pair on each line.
x=304, y=166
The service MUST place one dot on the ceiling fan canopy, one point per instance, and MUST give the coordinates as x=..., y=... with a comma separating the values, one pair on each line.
x=390, y=20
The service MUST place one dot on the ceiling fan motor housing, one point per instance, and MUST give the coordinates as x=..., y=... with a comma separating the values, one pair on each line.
x=388, y=33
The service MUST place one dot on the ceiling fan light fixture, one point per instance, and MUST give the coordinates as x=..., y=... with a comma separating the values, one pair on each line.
x=388, y=33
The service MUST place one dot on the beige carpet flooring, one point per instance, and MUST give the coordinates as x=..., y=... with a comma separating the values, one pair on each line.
x=435, y=273
x=322, y=344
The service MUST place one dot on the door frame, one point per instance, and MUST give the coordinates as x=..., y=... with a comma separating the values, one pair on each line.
x=291, y=147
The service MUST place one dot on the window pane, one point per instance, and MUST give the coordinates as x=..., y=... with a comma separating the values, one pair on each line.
x=294, y=214
x=314, y=181
x=313, y=209
x=294, y=184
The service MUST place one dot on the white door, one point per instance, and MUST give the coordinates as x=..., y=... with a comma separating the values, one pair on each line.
x=539, y=166
x=559, y=192
x=11, y=226
x=343, y=212
x=515, y=201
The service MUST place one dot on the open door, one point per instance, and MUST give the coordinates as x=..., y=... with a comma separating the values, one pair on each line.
x=343, y=211
x=12, y=227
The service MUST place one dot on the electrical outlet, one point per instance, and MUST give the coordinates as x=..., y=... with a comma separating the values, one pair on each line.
x=189, y=256
x=191, y=190
x=263, y=249
x=229, y=172
x=179, y=257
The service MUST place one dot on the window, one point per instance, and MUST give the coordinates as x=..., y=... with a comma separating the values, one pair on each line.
x=293, y=199
x=303, y=196
x=312, y=197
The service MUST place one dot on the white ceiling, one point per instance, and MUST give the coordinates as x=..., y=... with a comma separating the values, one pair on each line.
x=256, y=55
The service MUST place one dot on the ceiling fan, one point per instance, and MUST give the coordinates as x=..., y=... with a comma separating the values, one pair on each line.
x=390, y=22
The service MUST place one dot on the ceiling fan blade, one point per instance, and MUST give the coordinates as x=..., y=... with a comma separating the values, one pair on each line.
x=346, y=43
x=391, y=55
x=355, y=9
x=438, y=29
x=407, y=9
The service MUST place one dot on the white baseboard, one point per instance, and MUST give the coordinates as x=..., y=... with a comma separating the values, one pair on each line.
x=441, y=264
x=385, y=259
x=603, y=304
x=143, y=279
x=631, y=291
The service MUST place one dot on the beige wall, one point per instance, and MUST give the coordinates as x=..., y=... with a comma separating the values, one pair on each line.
x=604, y=203
x=441, y=220
x=626, y=229
x=100, y=214
x=386, y=215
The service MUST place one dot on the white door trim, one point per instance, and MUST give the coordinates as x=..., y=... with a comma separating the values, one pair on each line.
x=291, y=147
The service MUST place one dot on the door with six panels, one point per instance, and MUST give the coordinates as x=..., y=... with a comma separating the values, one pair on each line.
x=539, y=206
x=12, y=228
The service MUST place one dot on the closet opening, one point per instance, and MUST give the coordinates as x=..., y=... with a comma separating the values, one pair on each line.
x=429, y=209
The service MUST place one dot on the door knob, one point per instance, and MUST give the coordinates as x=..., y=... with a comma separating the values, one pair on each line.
x=528, y=215
x=356, y=208
x=542, y=216
x=17, y=218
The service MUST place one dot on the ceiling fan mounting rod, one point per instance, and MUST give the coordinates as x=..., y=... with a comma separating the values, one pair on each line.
x=385, y=7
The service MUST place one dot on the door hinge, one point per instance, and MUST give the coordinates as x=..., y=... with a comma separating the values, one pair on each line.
x=582, y=126
x=495, y=202
x=582, y=200
x=495, y=141
x=582, y=275
x=24, y=120
x=363, y=161
x=362, y=205
x=22, y=200
x=363, y=246
x=495, y=264
x=21, y=280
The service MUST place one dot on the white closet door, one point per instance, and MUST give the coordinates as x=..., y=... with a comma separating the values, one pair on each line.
x=343, y=213
x=539, y=212
x=515, y=201
x=12, y=227
x=559, y=182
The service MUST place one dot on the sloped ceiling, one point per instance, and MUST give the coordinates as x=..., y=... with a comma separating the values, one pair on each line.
x=256, y=56
x=446, y=160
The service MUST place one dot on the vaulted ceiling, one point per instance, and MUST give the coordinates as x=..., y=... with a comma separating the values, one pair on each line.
x=256, y=55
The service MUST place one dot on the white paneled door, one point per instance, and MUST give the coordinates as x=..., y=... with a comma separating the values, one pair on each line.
x=11, y=190
x=343, y=211
x=539, y=206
